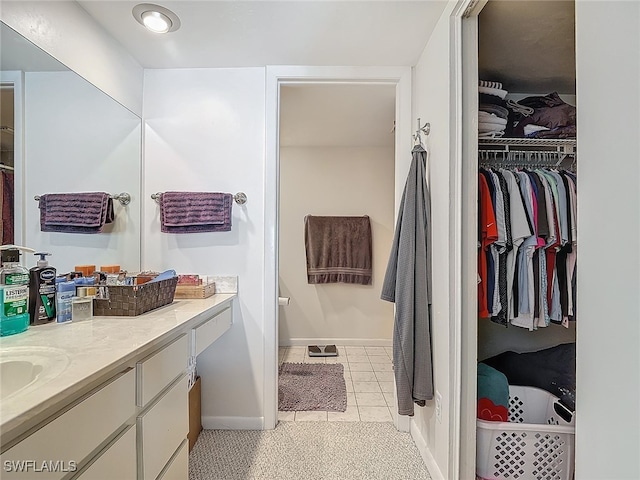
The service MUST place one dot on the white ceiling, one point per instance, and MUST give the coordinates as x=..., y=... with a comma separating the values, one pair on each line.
x=528, y=45
x=257, y=33
x=337, y=115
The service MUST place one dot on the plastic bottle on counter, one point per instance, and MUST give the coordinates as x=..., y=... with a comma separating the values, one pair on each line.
x=65, y=291
x=14, y=291
x=42, y=291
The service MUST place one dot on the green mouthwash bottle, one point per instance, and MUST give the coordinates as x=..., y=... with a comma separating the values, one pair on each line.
x=14, y=292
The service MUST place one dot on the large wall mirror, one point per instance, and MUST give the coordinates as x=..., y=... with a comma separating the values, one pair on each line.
x=61, y=134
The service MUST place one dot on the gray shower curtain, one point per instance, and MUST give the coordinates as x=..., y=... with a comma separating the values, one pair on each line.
x=407, y=282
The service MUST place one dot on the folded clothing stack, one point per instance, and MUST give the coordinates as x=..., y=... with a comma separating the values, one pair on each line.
x=549, y=117
x=493, y=116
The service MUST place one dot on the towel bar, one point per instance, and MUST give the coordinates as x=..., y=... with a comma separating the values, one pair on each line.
x=240, y=198
x=124, y=198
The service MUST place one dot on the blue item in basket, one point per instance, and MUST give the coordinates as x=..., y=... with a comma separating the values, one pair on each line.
x=493, y=384
x=166, y=275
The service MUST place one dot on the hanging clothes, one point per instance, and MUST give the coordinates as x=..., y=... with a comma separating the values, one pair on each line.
x=6, y=207
x=527, y=262
x=407, y=282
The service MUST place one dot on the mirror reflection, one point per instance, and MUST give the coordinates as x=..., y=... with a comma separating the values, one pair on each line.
x=61, y=134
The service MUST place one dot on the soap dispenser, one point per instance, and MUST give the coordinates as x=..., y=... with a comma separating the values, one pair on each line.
x=14, y=291
x=42, y=291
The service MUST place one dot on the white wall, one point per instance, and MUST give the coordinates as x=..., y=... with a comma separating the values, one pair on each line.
x=65, y=31
x=431, y=102
x=205, y=131
x=334, y=181
x=77, y=139
x=608, y=332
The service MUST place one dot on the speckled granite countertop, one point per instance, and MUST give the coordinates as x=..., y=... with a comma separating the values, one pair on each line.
x=83, y=353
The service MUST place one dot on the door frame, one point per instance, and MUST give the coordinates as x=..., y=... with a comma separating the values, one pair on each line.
x=276, y=77
x=16, y=78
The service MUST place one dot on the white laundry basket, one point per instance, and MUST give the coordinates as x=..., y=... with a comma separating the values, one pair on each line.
x=535, y=444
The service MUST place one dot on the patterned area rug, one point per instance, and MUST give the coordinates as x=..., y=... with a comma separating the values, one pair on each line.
x=308, y=451
x=312, y=386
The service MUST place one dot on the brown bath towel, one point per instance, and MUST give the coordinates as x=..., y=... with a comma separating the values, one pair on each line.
x=338, y=249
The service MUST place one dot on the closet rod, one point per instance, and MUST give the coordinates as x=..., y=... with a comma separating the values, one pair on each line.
x=6, y=167
x=124, y=198
x=240, y=198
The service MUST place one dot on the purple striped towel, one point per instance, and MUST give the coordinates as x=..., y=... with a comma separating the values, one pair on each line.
x=85, y=212
x=193, y=212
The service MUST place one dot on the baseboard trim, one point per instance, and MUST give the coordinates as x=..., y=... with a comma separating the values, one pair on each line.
x=233, y=423
x=365, y=342
x=425, y=453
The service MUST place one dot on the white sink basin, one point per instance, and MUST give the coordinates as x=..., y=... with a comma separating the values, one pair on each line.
x=23, y=369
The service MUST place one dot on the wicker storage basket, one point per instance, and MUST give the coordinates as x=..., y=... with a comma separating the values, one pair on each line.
x=536, y=443
x=128, y=301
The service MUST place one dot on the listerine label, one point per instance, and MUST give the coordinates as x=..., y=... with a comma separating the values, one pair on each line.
x=16, y=279
x=15, y=300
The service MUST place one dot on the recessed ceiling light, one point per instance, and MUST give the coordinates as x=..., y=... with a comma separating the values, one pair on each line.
x=156, y=18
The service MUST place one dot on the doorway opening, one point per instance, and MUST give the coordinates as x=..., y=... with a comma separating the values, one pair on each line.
x=300, y=84
x=337, y=160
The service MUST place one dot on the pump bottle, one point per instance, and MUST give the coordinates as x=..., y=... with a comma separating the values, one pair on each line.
x=42, y=291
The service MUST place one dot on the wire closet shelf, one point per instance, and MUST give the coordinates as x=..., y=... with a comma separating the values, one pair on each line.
x=527, y=153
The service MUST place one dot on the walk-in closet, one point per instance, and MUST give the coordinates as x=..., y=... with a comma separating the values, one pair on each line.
x=527, y=238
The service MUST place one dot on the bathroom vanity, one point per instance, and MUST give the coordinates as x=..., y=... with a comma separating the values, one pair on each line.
x=104, y=398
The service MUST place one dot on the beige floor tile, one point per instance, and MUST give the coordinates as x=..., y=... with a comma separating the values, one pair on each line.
x=354, y=350
x=297, y=348
x=389, y=351
x=286, y=416
x=351, y=399
x=382, y=367
x=384, y=376
x=364, y=377
x=308, y=359
x=375, y=350
x=294, y=357
x=334, y=359
x=369, y=399
x=351, y=414
x=374, y=414
x=369, y=387
x=360, y=367
x=386, y=387
x=357, y=358
x=311, y=416
x=379, y=359
x=349, y=385
x=390, y=398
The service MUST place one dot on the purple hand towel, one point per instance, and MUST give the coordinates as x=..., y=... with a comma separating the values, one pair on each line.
x=86, y=212
x=193, y=212
x=338, y=249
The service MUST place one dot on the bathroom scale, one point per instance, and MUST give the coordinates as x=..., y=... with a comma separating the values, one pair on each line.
x=323, y=351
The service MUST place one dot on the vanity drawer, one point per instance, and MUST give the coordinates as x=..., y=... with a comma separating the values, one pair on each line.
x=210, y=330
x=118, y=460
x=178, y=467
x=160, y=368
x=161, y=430
x=69, y=438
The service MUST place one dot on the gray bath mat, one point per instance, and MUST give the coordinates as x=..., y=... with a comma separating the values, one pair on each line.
x=312, y=386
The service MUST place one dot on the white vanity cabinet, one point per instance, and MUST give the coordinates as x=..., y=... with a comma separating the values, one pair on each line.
x=163, y=423
x=133, y=425
x=68, y=441
x=209, y=330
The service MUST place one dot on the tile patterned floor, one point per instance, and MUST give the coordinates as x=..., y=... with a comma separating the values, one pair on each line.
x=368, y=375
